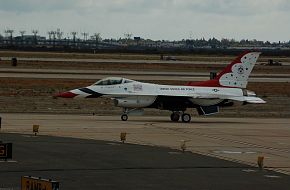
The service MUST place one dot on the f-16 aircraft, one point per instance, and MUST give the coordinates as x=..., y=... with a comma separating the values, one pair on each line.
x=207, y=97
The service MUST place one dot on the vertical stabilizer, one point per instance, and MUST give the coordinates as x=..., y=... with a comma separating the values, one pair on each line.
x=235, y=75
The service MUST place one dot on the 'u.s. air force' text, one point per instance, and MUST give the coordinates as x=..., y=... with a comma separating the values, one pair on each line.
x=183, y=89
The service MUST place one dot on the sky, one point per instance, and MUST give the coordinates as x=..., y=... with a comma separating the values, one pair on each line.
x=267, y=20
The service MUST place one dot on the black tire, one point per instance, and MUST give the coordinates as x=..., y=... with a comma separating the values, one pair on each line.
x=174, y=117
x=186, y=118
x=124, y=117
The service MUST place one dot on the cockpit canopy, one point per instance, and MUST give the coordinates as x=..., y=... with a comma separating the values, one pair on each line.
x=112, y=81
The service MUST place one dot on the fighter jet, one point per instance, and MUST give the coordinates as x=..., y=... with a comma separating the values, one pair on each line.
x=228, y=87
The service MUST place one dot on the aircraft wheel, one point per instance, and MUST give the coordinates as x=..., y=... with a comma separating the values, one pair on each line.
x=174, y=117
x=186, y=118
x=124, y=117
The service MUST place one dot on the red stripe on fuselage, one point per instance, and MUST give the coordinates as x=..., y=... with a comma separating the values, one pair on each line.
x=66, y=95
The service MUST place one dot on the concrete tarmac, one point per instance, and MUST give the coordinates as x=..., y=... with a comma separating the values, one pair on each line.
x=239, y=140
x=89, y=164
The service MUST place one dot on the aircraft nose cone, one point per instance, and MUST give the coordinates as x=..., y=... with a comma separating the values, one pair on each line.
x=66, y=95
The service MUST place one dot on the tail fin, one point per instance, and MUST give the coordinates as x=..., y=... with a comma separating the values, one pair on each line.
x=235, y=75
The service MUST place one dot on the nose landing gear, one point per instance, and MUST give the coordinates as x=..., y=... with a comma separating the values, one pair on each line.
x=127, y=111
x=124, y=117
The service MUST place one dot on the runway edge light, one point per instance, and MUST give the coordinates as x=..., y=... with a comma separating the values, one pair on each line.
x=260, y=162
x=183, y=145
x=123, y=137
x=35, y=129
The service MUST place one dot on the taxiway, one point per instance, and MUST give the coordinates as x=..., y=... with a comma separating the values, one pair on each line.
x=239, y=140
x=135, y=75
x=89, y=164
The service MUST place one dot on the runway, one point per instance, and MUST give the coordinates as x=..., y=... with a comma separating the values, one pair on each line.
x=135, y=75
x=240, y=140
x=135, y=61
x=126, y=72
x=130, y=61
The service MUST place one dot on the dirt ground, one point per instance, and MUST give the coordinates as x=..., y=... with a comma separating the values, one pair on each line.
x=35, y=95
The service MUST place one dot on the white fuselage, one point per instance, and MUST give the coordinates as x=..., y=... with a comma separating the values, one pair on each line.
x=147, y=92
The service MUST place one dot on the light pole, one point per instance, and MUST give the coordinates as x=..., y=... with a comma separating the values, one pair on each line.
x=74, y=34
x=22, y=32
x=10, y=33
x=35, y=32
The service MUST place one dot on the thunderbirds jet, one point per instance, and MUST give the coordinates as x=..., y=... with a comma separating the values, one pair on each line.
x=207, y=97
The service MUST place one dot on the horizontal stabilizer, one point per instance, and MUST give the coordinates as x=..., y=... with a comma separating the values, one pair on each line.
x=248, y=99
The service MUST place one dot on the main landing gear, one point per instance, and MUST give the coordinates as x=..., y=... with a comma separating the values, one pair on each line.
x=185, y=118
